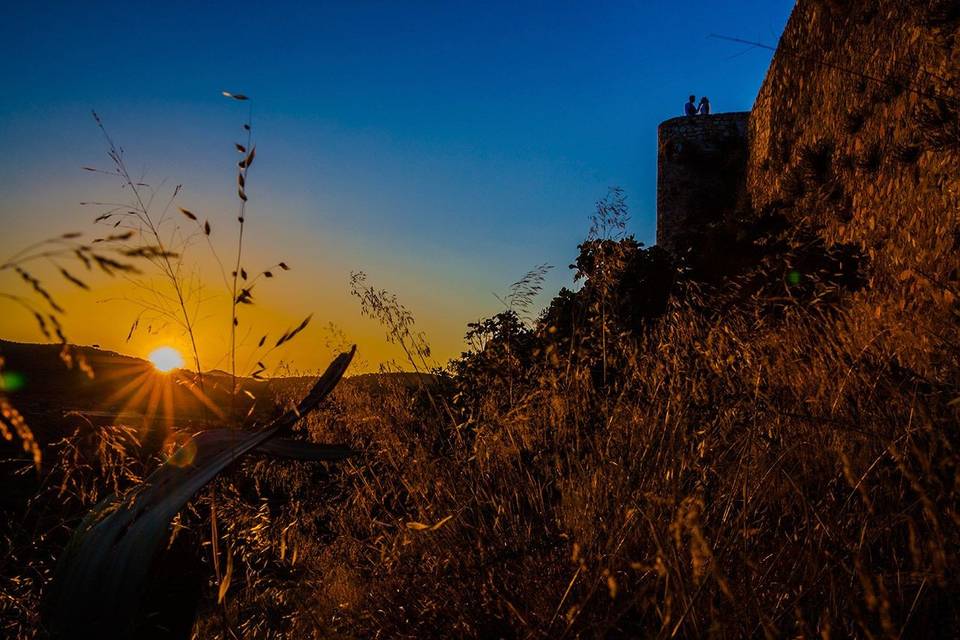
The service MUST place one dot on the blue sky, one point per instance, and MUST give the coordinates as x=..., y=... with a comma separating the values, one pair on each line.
x=443, y=147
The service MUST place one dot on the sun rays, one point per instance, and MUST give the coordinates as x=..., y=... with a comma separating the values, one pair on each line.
x=159, y=392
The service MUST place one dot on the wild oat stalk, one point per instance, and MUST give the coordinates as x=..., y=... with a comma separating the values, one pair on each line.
x=241, y=283
x=525, y=290
x=249, y=152
x=386, y=308
x=610, y=217
x=39, y=302
x=166, y=250
x=607, y=225
x=136, y=216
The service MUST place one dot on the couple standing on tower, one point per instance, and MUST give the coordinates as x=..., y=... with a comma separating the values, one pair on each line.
x=692, y=109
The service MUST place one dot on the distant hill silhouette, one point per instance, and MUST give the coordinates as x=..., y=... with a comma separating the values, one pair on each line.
x=118, y=383
x=129, y=390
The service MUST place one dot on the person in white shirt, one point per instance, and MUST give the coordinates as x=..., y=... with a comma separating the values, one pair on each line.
x=704, y=108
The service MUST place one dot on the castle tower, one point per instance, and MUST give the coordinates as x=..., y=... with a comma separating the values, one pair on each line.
x=701, y=167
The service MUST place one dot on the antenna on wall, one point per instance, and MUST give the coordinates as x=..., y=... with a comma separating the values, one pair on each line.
x=853, y=72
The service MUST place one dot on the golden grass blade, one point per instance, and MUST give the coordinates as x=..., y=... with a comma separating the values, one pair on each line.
x=103, y=572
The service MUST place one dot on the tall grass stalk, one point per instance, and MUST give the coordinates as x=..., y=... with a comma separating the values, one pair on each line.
x=167, y=261
x=248, y=153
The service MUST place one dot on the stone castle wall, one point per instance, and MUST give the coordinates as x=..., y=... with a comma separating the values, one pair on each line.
x=854, y=138
x=700, y=175
x=856, y=132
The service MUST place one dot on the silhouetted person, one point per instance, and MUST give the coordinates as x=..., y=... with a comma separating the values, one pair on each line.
x=690, y=108
x=704, y=108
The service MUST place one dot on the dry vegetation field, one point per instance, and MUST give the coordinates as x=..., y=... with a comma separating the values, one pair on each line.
x=653, y=456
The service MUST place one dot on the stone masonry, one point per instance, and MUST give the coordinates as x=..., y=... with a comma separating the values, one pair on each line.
x=700, y=175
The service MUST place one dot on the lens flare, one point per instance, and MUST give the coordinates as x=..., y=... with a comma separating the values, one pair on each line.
x=11, y=381
x=166, y=359
x=182, y=449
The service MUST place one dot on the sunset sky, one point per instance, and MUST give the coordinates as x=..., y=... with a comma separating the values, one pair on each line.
x=444, y=148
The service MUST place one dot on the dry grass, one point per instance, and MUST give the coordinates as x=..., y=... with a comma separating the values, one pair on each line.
x=787, y=466
x=773, y=456
x=746, y=476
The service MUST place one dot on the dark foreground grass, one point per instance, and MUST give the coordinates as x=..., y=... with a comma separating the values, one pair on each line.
x=745, y=475
x=778, y=461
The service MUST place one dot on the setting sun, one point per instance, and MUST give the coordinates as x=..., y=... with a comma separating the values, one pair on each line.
x=166, y=359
